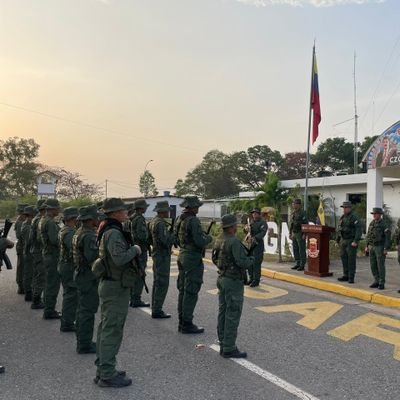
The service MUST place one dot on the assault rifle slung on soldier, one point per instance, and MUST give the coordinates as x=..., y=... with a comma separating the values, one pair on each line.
x=3, y=234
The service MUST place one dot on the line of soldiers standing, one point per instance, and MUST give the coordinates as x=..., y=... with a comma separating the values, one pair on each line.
x=103, y=261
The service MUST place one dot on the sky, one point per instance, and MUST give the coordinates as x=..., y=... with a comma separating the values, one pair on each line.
x=104, y=86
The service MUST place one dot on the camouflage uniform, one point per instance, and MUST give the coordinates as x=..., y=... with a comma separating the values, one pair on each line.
x=299, y=217
x=19, y=247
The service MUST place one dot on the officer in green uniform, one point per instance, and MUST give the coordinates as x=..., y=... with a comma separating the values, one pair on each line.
x=192, y=241
x=377, y=245
x=117, y=254
x=299, y=217
x=85, y=251
x=19, y=247
x=258, y=229
x=162, y=240
x=66, y=270
x=230, y=257
x=4, y=245
x=141, y=238
x=29, y=213
x=349, y=234
x=48, y=229
x=39, y=272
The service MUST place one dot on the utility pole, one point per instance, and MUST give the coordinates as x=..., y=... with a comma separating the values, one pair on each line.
x=106, y=188
x=355, y=120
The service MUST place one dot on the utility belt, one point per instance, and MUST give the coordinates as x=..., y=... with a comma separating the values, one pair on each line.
x=230, y=272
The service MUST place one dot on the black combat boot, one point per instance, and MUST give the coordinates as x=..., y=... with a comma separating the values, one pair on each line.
x=86, y=348
x=117, y=381
x=139, y=303
x=160, y=315
x=52, y=314
x=189, y=327
x=381, y=286
x=20, y=290
x=37, y=303
x=295, y=267
x=2, y=369
x=234, y=354
x=343, y=278
x=374, y=285
x=28, y=296
x=97, y=378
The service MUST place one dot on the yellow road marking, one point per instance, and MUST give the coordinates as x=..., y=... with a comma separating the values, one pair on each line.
x=369, y=325
x=315, y=313
x=263, y=292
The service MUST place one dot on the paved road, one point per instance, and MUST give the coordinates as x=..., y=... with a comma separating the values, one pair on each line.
x=291, y=353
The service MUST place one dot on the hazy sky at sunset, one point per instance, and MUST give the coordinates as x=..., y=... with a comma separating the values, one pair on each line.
x=169, y=80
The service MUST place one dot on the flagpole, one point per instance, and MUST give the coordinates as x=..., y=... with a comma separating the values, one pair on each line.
x=309, y=132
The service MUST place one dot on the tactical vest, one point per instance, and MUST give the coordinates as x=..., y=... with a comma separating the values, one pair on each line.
x=347, y=227
x=183, y=231
x=222, y=258
x=77, y=250
x=34, y=236
x=376, y=233
x=66, y=255
x=48, y=247
x=135, y=221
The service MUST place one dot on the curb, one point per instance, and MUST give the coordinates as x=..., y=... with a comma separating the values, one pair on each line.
x=364, y=295
x=374, y=298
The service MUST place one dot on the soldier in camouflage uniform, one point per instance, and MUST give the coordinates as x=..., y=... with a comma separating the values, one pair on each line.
x=66, y=270
x=49, y=229
x=162, y=240
x=39, y=272
x=19, y=247
x=192, y=241
x=85, y=252
x=29, y=213
x=116, y=261
x=377, y=245
x=349, y=234
x=140, y=237
x=299, y=217
x=258, y=229
x=230, y=257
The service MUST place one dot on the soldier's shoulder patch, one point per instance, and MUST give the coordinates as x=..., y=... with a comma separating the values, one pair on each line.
x=356, y=221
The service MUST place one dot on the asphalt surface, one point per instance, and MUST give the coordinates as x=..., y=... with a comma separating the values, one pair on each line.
x=41, y=363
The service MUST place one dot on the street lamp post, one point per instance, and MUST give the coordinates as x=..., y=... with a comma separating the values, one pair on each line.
x=148, y=162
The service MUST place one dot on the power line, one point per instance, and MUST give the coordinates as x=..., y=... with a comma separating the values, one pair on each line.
x=87, y=125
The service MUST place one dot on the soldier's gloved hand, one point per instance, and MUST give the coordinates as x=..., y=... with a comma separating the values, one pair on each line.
x=138, y=249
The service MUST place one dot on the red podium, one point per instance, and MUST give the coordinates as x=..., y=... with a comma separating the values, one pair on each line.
x=318, y=249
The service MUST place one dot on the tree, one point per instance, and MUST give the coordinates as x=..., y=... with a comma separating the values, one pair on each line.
x=147, y=184
x=71, y=185
x=252, y=166
x=335, y=154
x=18, y=167
x=294, y=166
x=214, y=177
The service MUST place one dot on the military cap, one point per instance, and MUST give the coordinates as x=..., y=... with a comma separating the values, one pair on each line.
x=30, y=210
x=255, y=210
x=70, y=212
x=88, y=212
x=140, y=203
x=113, y=204
x=377, y=210
x=297, y=201
x=40, y=204
x=191, y=202
x=228, y=220
x=21, y=207
x=347, y=204
x=52, y=203
x=161, y=206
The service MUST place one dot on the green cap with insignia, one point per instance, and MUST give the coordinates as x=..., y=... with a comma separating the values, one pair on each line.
x=377, y=210
x=347, y=204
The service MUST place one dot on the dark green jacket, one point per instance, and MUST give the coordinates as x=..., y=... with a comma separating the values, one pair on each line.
x=25, y=234
x=84, y=248
x=299, y=217
x=34, y=236
x=230, y=257
x=139, y=231
x=378, y=234
x=349, y=228
x=49, y=229
x=258, y=229
x=19, y=247
x=161, y=239
x=65, y=239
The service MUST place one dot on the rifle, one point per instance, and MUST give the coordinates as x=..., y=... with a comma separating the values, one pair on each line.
x=3, y=234
x=207, y=232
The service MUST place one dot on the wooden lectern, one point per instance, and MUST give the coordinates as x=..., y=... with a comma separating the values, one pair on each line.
x=317, y=249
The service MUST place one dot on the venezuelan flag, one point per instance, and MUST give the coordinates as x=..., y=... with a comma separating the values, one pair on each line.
x=315, y=106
